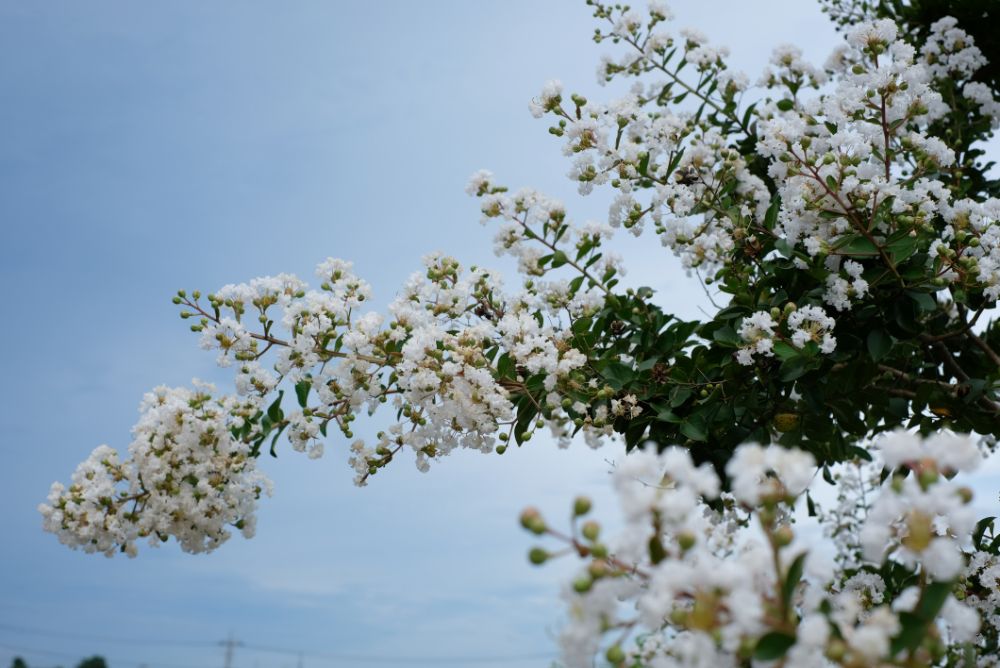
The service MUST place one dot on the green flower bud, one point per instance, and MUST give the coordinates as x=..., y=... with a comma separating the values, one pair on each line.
x=581, y=506
x=615, y=654
x=532, y=520
x=538, y=556
x=686, y=540
x=597, y=569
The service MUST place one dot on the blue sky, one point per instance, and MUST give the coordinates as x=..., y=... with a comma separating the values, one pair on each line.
x=149, y=147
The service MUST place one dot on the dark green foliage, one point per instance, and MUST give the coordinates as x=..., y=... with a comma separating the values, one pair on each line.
x=93, y=662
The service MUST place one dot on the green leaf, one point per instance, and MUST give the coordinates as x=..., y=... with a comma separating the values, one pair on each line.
x=856, y=245
x=981, y=527
x=274, y=412
x=679, y=395
x=785, y=105
x=879, y=344
x=559, y=259
x=667, y=415
x=905, y=315
x=792, y=579
x=771, y=217
x=657, y=553
x=773, y=645
x=730, y=312
x=694, y=428
x=793, y=369
x=933, y=599
x=924, y=301
x=910, y=635
x=274, y=441
x=828, y=476
x=727, y=336
x=618, y=375
x=784, y=351
x=644, y=164
x=505, y=366
x=302, y=392
x=902, y=248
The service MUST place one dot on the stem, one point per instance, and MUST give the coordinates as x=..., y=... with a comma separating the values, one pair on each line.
x=552, y=246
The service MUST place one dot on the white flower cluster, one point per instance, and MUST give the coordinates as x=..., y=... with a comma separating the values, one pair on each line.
x=439, y=360
x=788, y=68
x=921, y=519
x=447, y=359
x=841, y=291
x=857, y=168
x=950, y=52
x=694, y=583
x=187, y=477
x=805, y=325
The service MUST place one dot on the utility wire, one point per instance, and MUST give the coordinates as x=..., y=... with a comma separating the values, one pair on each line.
x=144, y=642
x=374, y=658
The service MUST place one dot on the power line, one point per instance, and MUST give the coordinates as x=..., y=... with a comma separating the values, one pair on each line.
x=375, y=658
x=145, y=642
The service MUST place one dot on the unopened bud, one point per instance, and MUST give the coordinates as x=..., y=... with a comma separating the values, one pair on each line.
x=538, y=556
x=532, y=520
x=965, y=493
x=686, y=540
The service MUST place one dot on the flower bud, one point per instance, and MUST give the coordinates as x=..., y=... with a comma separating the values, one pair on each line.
x=532, y=520
x=927, y=477
x=538, y=556
x=591, y=530
x=581, y=506
x=836, y=650
x=686, y=540
x=598, y=569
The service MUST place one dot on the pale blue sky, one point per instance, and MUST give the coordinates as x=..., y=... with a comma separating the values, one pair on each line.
x=153, y=146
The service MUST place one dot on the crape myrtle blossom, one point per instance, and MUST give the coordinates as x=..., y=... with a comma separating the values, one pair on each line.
x=920, y=518
x=836, y=157
x=436, y=361
x=667, y=591
x=802, y=326
x=187, y=477
x=841, y=215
